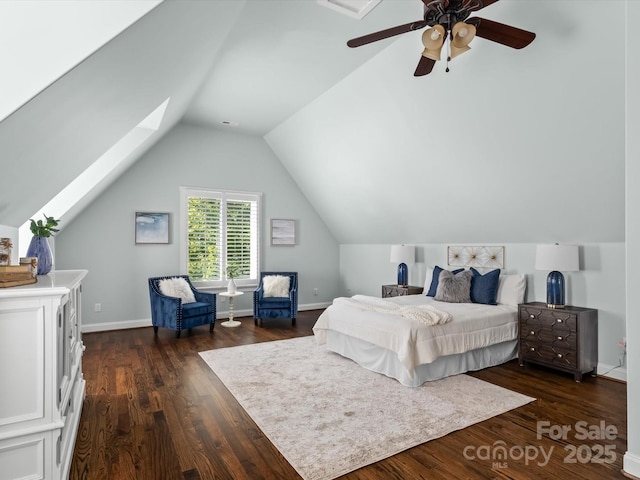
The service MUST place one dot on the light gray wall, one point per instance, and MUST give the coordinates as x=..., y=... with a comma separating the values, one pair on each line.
x=599, y=284
x=55, y=136
x=101, y=238
x=515, y=146
x=632, y=456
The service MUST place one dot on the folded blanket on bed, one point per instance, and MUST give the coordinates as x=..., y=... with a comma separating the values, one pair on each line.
x=425, y=314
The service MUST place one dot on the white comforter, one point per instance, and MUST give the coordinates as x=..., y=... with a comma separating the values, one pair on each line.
x=473, y=326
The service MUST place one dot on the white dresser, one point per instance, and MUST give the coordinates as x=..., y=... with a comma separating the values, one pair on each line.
x=41, y=381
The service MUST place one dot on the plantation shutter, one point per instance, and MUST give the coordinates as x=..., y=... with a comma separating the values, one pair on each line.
x=242, y=235
x=204, y=239
x=222, y=229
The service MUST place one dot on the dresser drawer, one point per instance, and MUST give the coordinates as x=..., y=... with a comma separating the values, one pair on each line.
x=557, y=354
x=555, y=337
x=549, y=318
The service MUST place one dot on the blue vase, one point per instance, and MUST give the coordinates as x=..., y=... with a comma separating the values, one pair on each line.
x=39, y=248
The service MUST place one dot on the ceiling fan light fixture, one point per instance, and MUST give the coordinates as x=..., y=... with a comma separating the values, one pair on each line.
x=455, y=51
x=432, y=39
x=462, y=34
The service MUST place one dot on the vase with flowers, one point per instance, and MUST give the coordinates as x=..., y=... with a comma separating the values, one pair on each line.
x=232, y=272
x=39, y=246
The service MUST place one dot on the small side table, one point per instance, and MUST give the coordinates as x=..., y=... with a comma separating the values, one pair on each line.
x=398, y=291
x=562, y=338
x=231, y=322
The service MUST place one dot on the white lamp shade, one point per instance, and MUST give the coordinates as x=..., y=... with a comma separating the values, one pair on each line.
x=561, y=258
x=403, y=254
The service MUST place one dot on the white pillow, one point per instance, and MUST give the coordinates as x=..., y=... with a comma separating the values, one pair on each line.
x=511, y=289
x=427, y=281
x=275, y=286
x=177, y=287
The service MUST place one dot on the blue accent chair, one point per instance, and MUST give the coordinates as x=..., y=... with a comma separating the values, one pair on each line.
x=170, y=312
x=276, y=307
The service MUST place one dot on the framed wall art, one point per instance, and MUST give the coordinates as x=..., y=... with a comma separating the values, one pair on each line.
x=152, y=227
x=475, y=256
x=283, y=232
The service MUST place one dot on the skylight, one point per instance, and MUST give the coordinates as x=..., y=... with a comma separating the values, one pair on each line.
x=353, y=8
x=102, y=171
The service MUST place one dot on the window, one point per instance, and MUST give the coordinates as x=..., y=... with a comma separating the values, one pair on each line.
x=219, y=229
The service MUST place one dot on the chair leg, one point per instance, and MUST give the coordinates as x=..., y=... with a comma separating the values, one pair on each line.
x=178, y=333
x=155, y=330
x=211, y=325
x=293, y=321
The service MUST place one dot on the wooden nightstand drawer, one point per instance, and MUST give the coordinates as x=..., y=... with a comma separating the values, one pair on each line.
x=552, y=319
x=566, y=339
x=549, y=354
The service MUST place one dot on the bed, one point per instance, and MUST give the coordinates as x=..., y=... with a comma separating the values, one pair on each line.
x=381, y=336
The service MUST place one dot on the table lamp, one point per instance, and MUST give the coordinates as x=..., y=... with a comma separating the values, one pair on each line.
x=403, y=254
x=556, y=258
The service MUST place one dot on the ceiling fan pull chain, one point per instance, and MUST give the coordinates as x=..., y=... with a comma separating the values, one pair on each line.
x=448, y=51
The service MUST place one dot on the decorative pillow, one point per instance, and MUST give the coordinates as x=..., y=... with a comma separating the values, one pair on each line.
x=427, y=280
x=275, y=286
x=454, y=288
x=176, y=287
x=433, y=286
x=484, y=288
x=511, y=289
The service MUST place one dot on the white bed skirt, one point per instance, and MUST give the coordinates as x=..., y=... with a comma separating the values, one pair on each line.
x=384, y=361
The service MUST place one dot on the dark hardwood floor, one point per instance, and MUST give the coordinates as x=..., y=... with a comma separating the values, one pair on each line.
x=154, y=410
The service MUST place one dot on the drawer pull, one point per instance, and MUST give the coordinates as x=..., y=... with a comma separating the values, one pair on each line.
x=532, y=316
x=559, y=355
x=559, y=320
x=533, y=349
x=532, y=332
x=559, y=338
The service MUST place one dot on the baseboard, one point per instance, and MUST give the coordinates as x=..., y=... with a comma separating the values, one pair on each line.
x=631, y=465
x=613, y=372
x=146, y=322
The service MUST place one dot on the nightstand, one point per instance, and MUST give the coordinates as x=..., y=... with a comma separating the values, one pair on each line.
x=562, y=338
x=397, y=290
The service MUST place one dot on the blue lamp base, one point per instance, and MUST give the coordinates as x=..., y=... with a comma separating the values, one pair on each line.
x=555, y=290
x=403, y=275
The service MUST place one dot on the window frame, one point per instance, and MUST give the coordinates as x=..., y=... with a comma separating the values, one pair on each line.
x=224, y=196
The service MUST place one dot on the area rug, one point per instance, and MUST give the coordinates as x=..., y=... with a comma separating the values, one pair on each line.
x=328, y=416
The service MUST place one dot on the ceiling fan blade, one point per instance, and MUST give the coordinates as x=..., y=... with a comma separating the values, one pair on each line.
x=499, y=32
x=486, y=3
x=425, y=65
x=389, y=32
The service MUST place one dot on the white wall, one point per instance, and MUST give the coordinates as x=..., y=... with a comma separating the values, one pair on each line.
x=55, y=136
x=599, y=283
x=101, y=238
x=517, y=146
x=632, y=457
x=48, y=38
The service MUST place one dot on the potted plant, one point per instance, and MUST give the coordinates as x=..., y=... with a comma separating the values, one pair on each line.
x=39, y=246
x=232, y=272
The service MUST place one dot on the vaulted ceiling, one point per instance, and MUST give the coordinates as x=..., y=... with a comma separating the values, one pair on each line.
x=510, y=145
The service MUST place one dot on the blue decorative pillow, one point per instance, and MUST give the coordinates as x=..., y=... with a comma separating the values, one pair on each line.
x=484, y=288
x=433, y=288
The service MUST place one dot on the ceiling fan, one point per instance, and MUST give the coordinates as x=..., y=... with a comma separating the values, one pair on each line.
x=449, y=20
